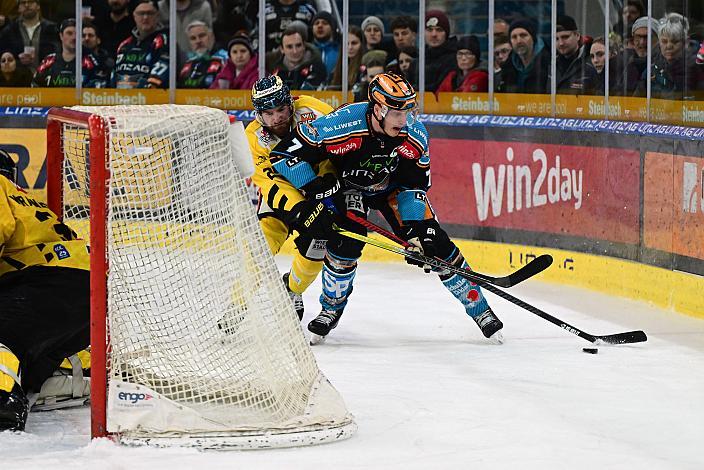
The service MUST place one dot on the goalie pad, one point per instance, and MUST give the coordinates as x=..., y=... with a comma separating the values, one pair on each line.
x=65, y=389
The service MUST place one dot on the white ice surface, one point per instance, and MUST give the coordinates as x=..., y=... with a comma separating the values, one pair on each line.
x=429, y=392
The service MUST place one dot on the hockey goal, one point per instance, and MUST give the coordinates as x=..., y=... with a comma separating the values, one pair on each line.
x=194, y=339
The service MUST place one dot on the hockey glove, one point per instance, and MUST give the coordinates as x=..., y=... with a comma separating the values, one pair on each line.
x=326, y=189
x=313, y=221
x=423, y=235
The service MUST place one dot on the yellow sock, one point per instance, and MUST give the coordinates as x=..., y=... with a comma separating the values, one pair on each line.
x=303, y=273
x=10, y=362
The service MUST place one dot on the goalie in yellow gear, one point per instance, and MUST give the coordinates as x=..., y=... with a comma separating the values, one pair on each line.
x=281, y=207
x=44, y=297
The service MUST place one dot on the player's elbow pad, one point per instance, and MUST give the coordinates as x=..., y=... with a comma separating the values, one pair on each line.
x=295, y=170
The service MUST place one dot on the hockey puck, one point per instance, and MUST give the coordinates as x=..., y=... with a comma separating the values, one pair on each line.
x=590, y=350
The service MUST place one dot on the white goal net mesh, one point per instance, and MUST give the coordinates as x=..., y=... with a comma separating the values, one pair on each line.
x=203, y=339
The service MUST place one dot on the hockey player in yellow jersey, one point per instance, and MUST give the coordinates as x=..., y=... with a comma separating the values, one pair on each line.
x=282, y=208
x=44, y=296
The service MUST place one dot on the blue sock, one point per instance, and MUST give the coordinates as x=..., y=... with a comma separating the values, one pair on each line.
x=468, y=293
x=338, y=275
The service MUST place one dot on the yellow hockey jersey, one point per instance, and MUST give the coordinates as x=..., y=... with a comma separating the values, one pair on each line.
x=275, y=192
x=31, y=234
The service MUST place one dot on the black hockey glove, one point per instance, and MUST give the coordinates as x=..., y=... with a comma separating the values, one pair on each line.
x=313, y=221
x=423, y=235
x=326, y=189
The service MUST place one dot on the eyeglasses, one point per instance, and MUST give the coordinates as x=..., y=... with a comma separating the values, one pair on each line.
x=465, y=53
x=500, y=52
x=145, y=13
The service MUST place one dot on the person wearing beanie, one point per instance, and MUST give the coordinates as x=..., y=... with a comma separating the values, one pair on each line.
x=528, y=67
x=373, y=29
x=640, y=35
x=59, y=69
x=575, y=75
x=325, y=38
x=374, y=34
x=469, y=76
x=440, y=48
x=241, y=70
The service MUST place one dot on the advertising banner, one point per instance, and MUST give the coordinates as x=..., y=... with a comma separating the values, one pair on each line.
x=673, y=204
x=582, y=191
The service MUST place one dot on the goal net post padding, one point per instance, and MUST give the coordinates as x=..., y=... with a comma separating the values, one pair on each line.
x=190, y=320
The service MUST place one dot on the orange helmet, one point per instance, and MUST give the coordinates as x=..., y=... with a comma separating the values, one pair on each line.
x=392, y=91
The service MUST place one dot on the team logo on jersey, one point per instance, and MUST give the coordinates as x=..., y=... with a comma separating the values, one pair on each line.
x=406, y=150
x=349, y=146
x=311, y=130
x=305, y=117
x=61, y=251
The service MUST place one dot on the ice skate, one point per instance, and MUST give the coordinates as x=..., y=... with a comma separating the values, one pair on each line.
x=490, y=325
x=321, y=325
x=297, y=299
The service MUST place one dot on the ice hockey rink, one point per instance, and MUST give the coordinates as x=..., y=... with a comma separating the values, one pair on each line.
x=429, y=392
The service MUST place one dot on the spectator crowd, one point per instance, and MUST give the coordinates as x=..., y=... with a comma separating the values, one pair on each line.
x=125, y=44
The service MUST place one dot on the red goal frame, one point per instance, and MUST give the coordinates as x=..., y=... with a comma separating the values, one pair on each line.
x=99, y=176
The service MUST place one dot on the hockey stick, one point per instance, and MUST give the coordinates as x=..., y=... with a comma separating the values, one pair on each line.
x=618, y=338
x=534, y=267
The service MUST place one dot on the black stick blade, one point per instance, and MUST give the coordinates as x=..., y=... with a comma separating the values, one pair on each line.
x=623, y=338
x=537, y=265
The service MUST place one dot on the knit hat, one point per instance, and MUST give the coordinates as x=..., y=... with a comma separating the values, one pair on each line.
x=524, y=23
x=470, y=43
x=240, y=40
x=373, y=20
x=376, y=56
x=642, y=22
x=566, y=23
x=437, y=18
x=325, y=16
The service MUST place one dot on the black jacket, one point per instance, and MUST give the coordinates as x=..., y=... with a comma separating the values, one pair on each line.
x=11, y=39
x=438, y=63
x=516, y=78
x=575, y=75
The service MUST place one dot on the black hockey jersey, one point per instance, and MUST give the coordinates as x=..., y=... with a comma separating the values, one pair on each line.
x=142, y=63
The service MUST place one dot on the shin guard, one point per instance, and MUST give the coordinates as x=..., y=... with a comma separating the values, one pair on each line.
x=338, y=275
x=467, y=292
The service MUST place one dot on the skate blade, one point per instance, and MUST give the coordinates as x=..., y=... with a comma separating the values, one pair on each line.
x=316, y=339
x=497, y=338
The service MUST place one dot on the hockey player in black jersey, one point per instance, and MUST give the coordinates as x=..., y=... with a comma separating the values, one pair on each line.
x=44, y=296
x=381, y=155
